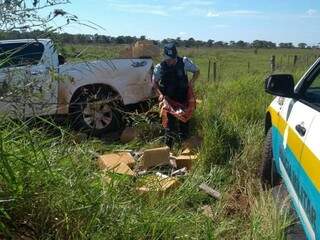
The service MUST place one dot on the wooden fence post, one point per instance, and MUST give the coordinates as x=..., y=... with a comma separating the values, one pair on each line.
x=273, y=63
x=295, y=60
x=209, y=70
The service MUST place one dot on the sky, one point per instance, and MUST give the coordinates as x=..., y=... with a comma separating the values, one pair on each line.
x=275, y=20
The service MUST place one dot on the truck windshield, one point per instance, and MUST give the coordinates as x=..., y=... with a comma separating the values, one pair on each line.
x=20, y=54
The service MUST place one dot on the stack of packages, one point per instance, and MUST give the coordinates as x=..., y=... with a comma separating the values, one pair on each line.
x=141, y=49
x=157, y=169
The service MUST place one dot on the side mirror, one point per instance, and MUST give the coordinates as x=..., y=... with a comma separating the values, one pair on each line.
x=281, y=85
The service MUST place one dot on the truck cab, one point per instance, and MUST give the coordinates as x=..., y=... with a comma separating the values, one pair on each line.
x=292, y=153
x=25, y=72
x=35, y=80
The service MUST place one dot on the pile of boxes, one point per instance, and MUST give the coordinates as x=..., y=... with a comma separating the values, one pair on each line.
x=147, y=167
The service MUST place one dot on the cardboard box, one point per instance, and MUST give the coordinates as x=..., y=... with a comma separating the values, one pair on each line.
x=155, y=157
x=117, y=163
x=185, y=161
x=121, y=157
x=186, y=151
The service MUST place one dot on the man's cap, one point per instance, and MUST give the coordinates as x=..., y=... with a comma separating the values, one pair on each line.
x=170, y=51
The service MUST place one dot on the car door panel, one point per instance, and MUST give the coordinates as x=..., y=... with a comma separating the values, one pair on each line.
x=295, y=116
x=13, y=83
x=292, y=114
x=310, y=160
x=43, y=90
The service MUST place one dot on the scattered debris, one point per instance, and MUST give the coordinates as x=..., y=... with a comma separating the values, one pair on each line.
x=186, y=151
x=158, y=184
x=161, y=175
x=185, y=161
x=179, y=172
x=129, y=134
x=155, y=157
x=157, y=169
x=120, y=168
x=210, y=191
x=124, y=150
x=117, y=163
x=141, y=173
x=173, y=163
x=123, y=157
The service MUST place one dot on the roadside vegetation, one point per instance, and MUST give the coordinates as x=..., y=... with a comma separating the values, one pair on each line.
x=51, y=188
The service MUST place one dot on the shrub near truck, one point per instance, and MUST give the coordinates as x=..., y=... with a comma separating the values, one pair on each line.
x=35, y=80
x=292, y=151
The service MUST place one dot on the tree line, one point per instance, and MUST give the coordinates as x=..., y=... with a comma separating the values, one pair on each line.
x=103, y=39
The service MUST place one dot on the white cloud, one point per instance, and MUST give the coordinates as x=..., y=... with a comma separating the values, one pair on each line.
x=242, y=13
x=221, y=26
x=233, y=13
x=139, y=8
x=182, y=33
x=178, y=5
x=186, y=7
x=312, y=12
x=196, y=3
x=213, y=14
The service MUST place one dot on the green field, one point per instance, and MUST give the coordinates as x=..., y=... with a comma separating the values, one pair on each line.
x=55, y=191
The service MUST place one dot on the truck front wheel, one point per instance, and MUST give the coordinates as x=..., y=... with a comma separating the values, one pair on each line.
x=94, y=110
x=268, y=173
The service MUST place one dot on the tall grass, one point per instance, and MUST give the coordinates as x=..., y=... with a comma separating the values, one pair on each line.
x=50, y=187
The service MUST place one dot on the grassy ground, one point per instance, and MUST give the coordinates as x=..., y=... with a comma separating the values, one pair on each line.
x=50, y=187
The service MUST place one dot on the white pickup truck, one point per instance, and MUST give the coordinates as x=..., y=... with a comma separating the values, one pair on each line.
x=35, y=81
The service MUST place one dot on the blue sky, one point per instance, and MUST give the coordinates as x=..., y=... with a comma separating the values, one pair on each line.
x=275, y=20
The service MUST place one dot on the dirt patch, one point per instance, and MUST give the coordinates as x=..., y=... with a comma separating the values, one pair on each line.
x=238, y=202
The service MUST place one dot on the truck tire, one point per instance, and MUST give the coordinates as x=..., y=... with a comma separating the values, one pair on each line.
x=268, y=172
x=90, y=112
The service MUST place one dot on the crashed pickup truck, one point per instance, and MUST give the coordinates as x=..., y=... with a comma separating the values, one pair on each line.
x=35, y=80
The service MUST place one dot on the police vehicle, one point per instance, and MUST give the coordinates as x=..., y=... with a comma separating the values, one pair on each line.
x=292, y=147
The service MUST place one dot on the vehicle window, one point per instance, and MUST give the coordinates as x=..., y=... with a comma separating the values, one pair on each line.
x=312, y=93
x=20, y=54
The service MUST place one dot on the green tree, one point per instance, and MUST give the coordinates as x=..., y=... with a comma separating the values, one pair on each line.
x=242, y=44
x=286, y=45
x=263, y=44
x=190, y=42
x=220, y=44
x=210, y=43
x=302, y=45
x=23, y=14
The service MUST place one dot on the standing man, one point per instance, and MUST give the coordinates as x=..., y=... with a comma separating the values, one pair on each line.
x=176, y=96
